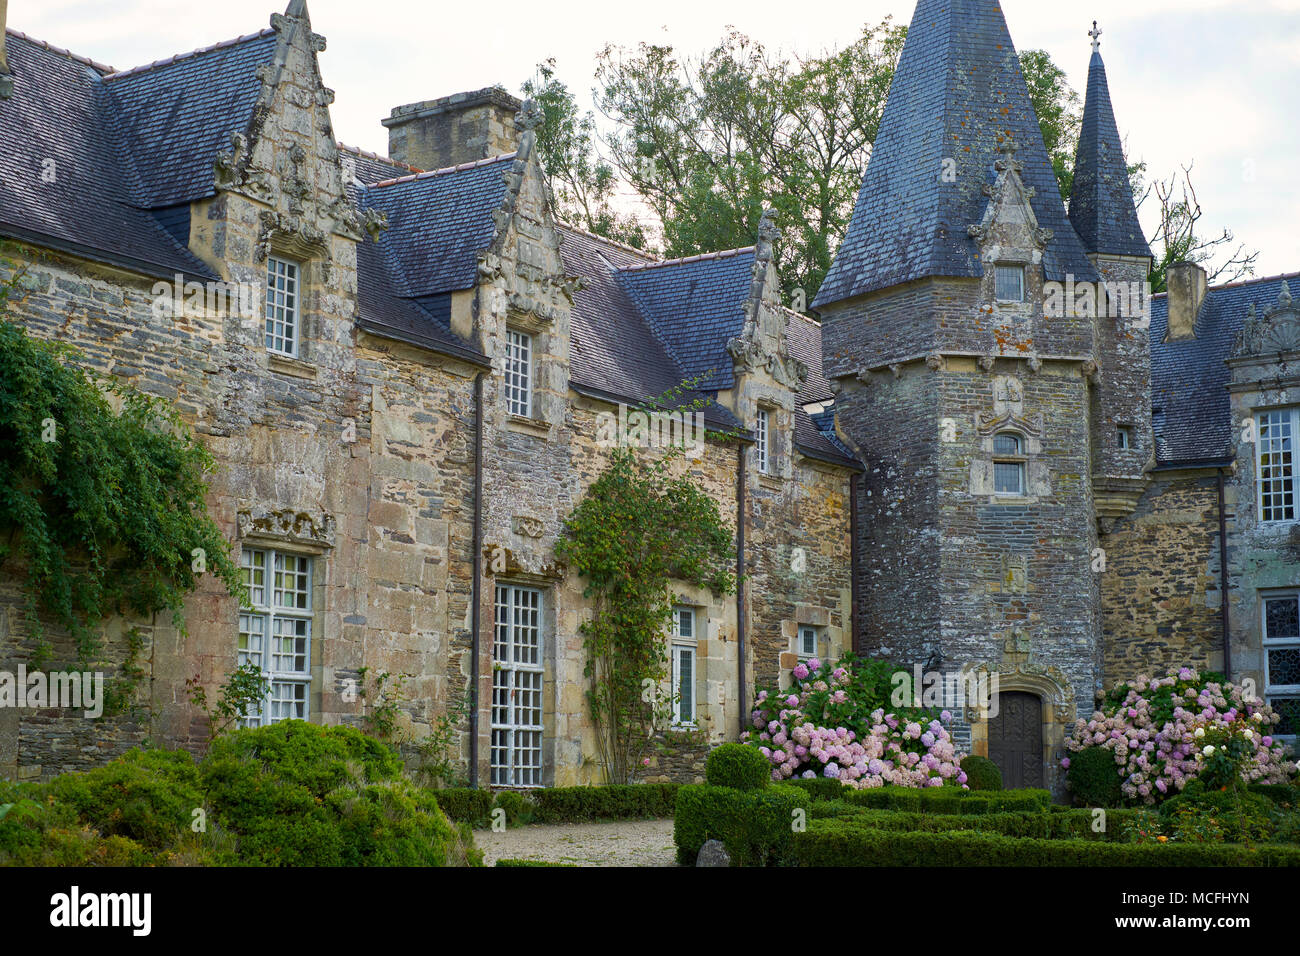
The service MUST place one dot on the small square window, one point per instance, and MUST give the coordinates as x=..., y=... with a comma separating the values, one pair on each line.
x=1010, y=281
x=807, y=641
x=282, y=297
x=1123, y=438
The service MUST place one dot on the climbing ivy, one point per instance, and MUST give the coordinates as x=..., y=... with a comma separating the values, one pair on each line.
x=102, y=493
x=638, y=529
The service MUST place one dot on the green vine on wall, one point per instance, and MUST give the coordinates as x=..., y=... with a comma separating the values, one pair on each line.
x=638, y=529
x=102, y=493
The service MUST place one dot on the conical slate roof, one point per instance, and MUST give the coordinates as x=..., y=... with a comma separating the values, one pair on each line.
x=957, y=95
x=1101, y=203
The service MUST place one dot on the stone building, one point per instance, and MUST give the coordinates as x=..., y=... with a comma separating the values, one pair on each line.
x=993, y=454
x=406, y=405
x=1064, y=480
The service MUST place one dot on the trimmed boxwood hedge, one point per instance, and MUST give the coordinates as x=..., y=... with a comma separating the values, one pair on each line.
x=981, y=773
x=737, y=766
x=842, y=842
x=1070, y=824
x=641, y=801
x=950, y=800
x=819, y=788
x=754, y=825
x=1093, y=778
x=638, y=801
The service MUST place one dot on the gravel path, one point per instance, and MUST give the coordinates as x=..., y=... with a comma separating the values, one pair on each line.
x=624, y=843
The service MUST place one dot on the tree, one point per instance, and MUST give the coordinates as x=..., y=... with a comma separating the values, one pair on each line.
x=584, y=184
x=102, y=492
x=1059, y=114
x=1176, y=238
x=638, y=529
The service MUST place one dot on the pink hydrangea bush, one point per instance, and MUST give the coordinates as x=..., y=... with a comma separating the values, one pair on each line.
x=1166, y=732
x=820, y=727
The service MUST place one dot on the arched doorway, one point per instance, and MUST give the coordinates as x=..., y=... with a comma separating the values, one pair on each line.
x=1016, y=739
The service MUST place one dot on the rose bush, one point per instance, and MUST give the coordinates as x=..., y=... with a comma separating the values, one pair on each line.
x=832, y=722
x=1168, y=731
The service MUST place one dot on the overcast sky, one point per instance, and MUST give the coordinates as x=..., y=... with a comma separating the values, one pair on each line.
x=1216, y=82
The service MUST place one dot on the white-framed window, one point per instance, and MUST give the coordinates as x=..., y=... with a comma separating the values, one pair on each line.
x=1008, y=465
x=1010, y=283
x=275, y=632
x=1282, y=660
x=519, y=373
x=282, y=300
x=683, y=653
x=1123, y=438
x=1275, y=465
x=763, y=443
x=809, y=641
x=517, y=671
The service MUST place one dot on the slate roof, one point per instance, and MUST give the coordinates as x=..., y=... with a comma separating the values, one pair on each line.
x=1101, y=201
x=803, y=337
x=1190, y=412
x=956, y=94
x=174, y=116
x=438, y=223
x=697, y=306
x=370, y=168
x=57, y=113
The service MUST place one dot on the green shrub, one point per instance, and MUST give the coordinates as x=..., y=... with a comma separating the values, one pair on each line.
x=841, y=842
x=1093, y=778
x=1284, y=795
x=755, y=825
x=981, y=773
x=1070, y=824
x=639, y=801
x=819, y=788
x=518, y=808
x=466, y=805
x=1224, y=816
x=950, y=800
x=148, y=796
x=738, y=767
x=296, y=794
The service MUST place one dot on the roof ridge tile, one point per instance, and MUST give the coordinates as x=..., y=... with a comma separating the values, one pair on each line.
x=701, y=257
x=168, y=61
x=428, y=173
x=46, y=45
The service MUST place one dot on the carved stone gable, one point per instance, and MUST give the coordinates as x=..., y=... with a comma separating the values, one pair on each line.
x=761, y=344
x=1276, y=332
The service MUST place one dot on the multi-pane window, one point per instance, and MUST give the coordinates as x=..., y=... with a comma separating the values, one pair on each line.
x=519, y=373
x=807, y=641
x=1010, y=282
x=1008, y=476
x=275, y=632
x=517, y=668
x=1275, y=446
x=683, y=665
x=763, y=446
x=282, y=297
x=1282, y=660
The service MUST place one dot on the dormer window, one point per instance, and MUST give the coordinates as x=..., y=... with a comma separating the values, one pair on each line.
x=1010, y=283
x=519, y=373
x=282, y=299
x=763, y=442
x=1008, y=465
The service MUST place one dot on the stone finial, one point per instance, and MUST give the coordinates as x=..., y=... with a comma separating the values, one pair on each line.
x=1095, y=33
x=1284, y=296
x=768, y=231
x=530, y=116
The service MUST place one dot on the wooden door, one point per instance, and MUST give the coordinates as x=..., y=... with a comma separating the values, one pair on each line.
x=1016, y=740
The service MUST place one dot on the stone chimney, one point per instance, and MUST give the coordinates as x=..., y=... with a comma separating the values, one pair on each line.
x=1187, y=289
x=6, y=79
x=455, y=129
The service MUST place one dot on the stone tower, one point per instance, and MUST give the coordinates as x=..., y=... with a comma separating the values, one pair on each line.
x=969, y=385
